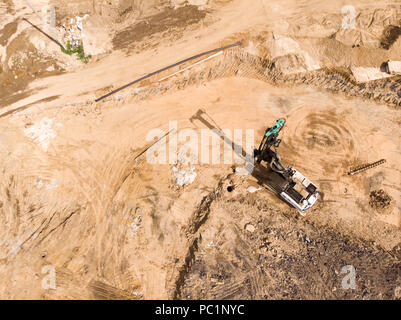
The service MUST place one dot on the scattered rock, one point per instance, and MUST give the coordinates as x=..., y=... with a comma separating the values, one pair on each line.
x=288, y=57
x=39, y=184
x=394, y=67
x=177, y=3
x=365, y=74
x=95, y=37
x=252, y=189
x=198, y=2
x=397, y=293
x=184, y=177
x=135, y=225
x=379, y=199
x=53, y=184
x=42, y=132
x=290, y=63
x=241, y=171
x=250, y=228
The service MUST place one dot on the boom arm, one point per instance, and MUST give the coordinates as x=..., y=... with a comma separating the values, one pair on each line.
x=290, y=184
x=270, y=140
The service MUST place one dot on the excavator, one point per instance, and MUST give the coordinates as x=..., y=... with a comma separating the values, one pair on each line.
x=287, y=182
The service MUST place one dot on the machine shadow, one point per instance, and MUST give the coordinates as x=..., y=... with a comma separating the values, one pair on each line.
x=259, y=172
x=287, y=183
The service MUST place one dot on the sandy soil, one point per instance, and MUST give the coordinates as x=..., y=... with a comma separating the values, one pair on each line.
x=78, y=194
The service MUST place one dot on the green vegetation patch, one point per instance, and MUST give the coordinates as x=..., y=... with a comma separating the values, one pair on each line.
x=78, y=50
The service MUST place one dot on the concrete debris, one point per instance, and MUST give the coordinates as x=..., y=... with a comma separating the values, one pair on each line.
x=137, y=294
x=42, y=132
x=79, y=21
x=243, y=171
x=15, y=246
x=198, y=2
x=250, y=228
x=184, y=177
x=365, y=74
x=53, y=184
x=95, y=36
x=135, y=225
x=178, y=3
x=289, y=58
x=73, y=33
x=252, y=189
x=393, y=67
x=39, y=184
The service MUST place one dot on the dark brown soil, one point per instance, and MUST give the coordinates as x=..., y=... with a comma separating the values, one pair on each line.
x=161, y=22
x=14, y=80
x=8, y=30
x=285, y=258
x=390, y=35
x=379, y=199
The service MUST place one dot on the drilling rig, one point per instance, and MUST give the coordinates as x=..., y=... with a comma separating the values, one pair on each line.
x=287, y=182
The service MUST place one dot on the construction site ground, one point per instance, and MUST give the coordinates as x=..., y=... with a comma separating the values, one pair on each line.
x=77, y=191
